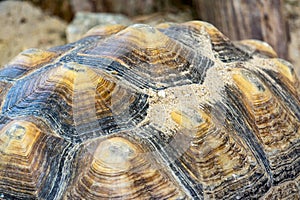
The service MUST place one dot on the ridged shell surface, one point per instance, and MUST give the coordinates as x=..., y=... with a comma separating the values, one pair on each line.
x=175, y=111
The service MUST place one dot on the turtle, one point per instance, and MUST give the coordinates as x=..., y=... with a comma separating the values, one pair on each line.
x=172, y=111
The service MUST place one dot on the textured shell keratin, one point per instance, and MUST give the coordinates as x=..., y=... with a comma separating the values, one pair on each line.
x=175, y=111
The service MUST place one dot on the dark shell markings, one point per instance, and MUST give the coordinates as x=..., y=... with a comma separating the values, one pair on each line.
x=175, y=111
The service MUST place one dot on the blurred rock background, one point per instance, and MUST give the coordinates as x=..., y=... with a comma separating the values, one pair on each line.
x=24, y=26
x=292, y=14
x=45, y=23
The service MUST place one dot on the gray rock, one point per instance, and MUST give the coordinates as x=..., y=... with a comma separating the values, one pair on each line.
x=161, y=17
x=24, y=26
x=84, y=21
x=292, y=11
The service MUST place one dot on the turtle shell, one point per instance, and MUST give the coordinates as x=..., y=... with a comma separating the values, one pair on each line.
x=175, y=111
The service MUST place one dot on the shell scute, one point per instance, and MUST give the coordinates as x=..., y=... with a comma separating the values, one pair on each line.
x=25, y=158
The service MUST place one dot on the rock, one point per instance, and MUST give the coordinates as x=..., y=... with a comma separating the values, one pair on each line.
x=292, y=9
x=161, y=17
x=84, y=21
x=25, y=26
x=66, y=9
x=61, y=8
x=128, y=7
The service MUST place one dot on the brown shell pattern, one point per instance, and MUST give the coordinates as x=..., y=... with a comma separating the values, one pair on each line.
x=175, y=111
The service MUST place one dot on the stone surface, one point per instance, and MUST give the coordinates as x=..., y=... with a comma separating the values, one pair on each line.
x=84, y=21
x=66, y=9
x=61, y=8
x=128, y=7
x=292, y=9
x=161, y=17
x=24, y=26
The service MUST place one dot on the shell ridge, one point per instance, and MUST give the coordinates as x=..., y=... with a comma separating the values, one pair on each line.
x=282, y=91
x=238, y=122
x=155, y=141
